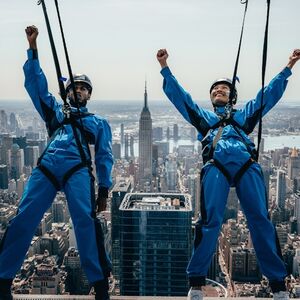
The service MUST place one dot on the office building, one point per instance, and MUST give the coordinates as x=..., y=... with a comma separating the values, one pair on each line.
x=155, y=244
x=145, y=144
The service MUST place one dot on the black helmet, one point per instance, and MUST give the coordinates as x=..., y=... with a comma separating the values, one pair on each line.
x=82, y=78
x=228, y=82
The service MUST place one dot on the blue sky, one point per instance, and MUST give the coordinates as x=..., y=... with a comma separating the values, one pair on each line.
x=115, y=43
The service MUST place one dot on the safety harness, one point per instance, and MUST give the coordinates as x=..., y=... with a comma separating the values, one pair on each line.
x=227, y=119
x=72, y=118
x=209, y=156
x=85, y=162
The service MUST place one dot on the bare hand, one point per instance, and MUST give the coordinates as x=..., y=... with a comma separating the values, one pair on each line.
x=294, y=58
x=162, y=56
x=32, y=33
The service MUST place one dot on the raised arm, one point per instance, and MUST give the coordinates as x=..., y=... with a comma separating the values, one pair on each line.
x=293, y=58
x=200, y=118
x=36, y=82
x=249, y=115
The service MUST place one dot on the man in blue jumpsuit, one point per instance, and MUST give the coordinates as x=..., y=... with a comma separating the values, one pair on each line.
x=65, y=165
x=229, y=159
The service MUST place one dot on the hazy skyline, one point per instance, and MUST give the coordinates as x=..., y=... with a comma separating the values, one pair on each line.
x=115, y=43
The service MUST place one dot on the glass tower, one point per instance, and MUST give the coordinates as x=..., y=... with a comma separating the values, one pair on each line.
x=156, y=244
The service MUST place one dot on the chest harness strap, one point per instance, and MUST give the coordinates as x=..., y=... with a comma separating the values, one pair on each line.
x=84, y=161
x=218, y=164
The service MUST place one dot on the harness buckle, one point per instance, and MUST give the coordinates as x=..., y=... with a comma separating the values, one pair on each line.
x=66, y=109
x=228, y=111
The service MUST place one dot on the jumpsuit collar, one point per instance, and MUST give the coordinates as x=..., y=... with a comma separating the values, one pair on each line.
x=220, y=111
x=82, y=109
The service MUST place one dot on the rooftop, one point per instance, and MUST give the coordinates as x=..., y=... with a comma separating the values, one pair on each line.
x=121, y=186
x=156, y=201
x=73, y=297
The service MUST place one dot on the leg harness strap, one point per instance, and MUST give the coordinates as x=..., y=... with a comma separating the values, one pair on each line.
x=239, y=173
x=242, y=170
x=66, y=177
x=50, y=176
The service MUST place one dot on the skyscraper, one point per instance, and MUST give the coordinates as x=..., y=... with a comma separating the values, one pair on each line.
x=145, y=143
x=13, y=122
x=297, y=210
x=293, y=165
x=3, y=121
x=116, y=149
x=175, y=132
x=17, y=161
x=193, y=185
x=122, y=133
x=3, y=177
x=266, y=162
x=131, y=145
x=281, y=189
x=76, y=282
x=171, y=169
x=126, y=155
x=59, y=210
x=157, y=133
x=156, y=244
x=31, y=155
x=6, y=144
x=121, y=188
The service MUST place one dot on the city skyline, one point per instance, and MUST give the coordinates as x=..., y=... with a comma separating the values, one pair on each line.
x=115, y=43
x=140, y=232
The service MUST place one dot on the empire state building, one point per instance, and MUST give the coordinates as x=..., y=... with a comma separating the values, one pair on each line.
x=145, y=143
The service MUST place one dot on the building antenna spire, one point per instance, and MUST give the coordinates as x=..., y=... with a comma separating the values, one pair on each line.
x=146, y=94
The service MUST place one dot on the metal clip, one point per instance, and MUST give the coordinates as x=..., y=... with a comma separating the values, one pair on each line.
x=67, y=110
x=228, y=110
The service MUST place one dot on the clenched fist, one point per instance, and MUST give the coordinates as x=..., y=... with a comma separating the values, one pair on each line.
x=162, y=56
x=294, y=58
x=32, y=33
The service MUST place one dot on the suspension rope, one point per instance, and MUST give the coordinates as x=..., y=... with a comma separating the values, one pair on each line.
x=66, y=107
x=234, y=77
x=67, y=57
x=70, y=72
x=60, y=79
x=263, y=73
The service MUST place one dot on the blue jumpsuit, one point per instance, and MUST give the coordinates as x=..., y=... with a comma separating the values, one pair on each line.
x=60, y=156
x=232, y=151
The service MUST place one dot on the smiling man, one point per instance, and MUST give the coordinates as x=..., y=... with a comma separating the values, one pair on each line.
x=64, y=166
x=230, y=159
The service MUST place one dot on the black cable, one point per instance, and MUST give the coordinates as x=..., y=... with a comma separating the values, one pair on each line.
x=73, y=87
x=263, y=73
x=63, y=92
x=232, y=93
x=62, y=89
x=67, y=56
